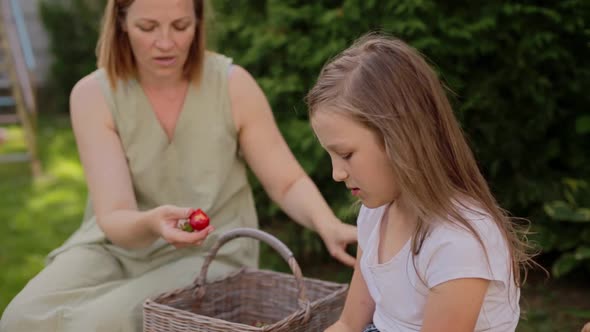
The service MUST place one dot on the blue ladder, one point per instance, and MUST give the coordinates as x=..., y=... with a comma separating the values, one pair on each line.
x=17, y=92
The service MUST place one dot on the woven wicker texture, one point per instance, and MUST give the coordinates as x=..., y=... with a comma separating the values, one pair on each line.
x=248, y=300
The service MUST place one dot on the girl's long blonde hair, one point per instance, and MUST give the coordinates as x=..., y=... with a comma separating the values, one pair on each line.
x=387, y=86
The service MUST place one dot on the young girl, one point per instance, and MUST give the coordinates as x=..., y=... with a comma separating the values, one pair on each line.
x=436, y=253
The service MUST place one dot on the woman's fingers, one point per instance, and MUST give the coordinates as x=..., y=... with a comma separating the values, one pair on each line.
x=337, y=238
x=175, y=212
x=179, y=237
x=341, y=255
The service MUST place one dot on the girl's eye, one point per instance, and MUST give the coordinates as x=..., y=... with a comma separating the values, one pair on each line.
x=346, y=156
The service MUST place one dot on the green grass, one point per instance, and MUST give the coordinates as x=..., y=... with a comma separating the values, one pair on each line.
x=37, y=215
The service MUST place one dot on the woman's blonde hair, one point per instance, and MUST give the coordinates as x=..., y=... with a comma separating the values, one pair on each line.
x=387, y=86
x=114, y=51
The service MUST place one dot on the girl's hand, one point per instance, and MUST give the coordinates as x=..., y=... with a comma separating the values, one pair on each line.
x=339, y=326
x=164, y=220
x=337, y=236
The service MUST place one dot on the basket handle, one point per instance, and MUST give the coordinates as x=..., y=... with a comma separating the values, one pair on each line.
x=254, y=233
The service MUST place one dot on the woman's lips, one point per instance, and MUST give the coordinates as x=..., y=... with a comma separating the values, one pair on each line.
x=355, y=191
x=165, y=60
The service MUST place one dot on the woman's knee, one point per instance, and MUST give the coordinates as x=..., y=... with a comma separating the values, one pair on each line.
x=95, y=316
x=36, y=314
x=11, y=316
x=30, y=314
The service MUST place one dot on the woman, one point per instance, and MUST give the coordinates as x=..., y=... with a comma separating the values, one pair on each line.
x=163, y=126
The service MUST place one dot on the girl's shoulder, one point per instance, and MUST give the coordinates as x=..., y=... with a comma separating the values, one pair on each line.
x=480, y=222
x=453, y=250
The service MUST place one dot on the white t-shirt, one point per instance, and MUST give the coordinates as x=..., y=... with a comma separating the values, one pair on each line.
x=449, y=252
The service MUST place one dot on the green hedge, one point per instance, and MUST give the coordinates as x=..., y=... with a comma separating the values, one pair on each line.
x=519, y=73
x=72, y=26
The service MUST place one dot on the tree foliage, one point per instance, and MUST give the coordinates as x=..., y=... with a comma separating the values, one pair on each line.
x=518, y=74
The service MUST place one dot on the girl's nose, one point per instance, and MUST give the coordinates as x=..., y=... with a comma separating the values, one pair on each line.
x=338, y=174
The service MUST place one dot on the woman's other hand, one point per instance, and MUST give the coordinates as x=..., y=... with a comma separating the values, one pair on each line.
x=273, y=163
x=337, y=236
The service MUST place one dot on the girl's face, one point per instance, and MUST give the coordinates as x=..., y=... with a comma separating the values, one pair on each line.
x=358, y=158
x=160, y=33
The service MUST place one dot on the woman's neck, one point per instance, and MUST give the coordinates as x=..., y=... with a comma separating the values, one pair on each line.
x=167, y=83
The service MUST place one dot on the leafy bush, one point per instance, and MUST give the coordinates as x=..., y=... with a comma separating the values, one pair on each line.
x=519, y=73
x=569, y=233
x=72, y=27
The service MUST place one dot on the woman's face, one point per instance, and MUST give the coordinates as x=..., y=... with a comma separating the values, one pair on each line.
x=161, y=33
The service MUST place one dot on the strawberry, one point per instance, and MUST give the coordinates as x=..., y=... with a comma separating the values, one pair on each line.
x=198, y=220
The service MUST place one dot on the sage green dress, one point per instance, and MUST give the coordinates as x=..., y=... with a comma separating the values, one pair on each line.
x=90, y=284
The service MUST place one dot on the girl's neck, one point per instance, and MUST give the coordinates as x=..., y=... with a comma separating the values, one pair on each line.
x=397, y=228
x=401, y=215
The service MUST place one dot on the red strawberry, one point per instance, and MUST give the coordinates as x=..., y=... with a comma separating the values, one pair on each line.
x=198, y=220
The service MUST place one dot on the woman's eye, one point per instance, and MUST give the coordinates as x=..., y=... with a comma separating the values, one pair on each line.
x=346, y=156
x=181, y=28
x=146, y=28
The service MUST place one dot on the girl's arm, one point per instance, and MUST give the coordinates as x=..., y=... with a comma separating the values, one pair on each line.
x=454, y=305
x=271, y=160
x=109, y=182
x=359, y=307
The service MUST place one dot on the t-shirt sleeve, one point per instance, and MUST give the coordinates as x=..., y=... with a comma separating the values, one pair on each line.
x=455, y=253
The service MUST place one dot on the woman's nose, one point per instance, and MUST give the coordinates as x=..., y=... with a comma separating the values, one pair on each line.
x=164, y=42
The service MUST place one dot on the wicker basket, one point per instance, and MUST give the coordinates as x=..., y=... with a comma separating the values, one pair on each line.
x=248, y=300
